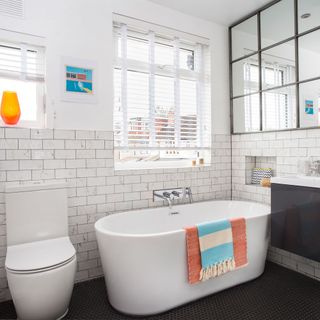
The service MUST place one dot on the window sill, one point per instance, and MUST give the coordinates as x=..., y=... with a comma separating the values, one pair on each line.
x=158, y=165
x=23, y=125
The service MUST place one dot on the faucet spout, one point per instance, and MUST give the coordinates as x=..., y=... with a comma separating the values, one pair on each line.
x=169, y=202
x=166, y=196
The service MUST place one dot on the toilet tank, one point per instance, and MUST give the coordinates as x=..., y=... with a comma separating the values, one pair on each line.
x=36, y=211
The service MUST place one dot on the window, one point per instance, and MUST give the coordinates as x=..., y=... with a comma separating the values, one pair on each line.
x=22, y=71
x=161, y=99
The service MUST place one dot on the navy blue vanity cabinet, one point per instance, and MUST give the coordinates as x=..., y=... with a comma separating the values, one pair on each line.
x=295, y=219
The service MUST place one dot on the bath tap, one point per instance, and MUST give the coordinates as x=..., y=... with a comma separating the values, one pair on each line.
x=164, y=196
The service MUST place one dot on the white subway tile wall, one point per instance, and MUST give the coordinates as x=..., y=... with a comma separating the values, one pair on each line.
x=85, y=160
x=287, y=148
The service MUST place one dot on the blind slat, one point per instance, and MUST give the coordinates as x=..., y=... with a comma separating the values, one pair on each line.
x=22, y=62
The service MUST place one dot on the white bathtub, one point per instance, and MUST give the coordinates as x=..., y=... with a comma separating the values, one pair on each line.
x=143, y=254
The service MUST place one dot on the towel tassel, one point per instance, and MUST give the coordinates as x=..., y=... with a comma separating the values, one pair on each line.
x=217, y=269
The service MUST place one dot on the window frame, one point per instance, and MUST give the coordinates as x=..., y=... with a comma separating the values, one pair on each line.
x=159, y=70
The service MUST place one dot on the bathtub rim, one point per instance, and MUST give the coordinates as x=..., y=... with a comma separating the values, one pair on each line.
x=99, y=228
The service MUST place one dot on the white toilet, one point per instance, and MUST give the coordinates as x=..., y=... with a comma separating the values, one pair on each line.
x=40, y=261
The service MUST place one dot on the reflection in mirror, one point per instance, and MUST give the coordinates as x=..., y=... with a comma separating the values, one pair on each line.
x=245, y=38
x=308, y=14
x=279, y=109
x=309, y=104
x=309, y=55
x=278, y=65
x=277, y=23
x=245, y=76
x=246, y=114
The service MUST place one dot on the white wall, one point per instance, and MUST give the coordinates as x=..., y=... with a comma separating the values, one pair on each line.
x=83, y=29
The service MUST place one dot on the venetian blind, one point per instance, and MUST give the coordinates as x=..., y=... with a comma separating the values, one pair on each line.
x=162, y=91
x=21, y=61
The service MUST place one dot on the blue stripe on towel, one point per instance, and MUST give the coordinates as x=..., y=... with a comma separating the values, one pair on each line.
x=216, y=254
x=212, y=227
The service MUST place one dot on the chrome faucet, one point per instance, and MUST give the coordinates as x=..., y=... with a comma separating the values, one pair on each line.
x=166, y=196
x=170, y=195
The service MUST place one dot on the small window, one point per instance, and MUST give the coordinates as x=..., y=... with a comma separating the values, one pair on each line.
x=162, y=99
x=22, y=71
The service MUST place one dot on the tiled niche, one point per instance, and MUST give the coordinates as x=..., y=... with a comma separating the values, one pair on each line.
x=259, y=162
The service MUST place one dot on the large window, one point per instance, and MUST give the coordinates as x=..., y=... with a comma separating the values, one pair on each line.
x=22, y=71
x=161, y=99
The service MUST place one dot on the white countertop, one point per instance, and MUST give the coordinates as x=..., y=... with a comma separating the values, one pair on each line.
x=304, y=181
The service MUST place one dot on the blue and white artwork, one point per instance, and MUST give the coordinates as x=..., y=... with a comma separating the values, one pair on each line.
x=79, y=80
x=309, y=107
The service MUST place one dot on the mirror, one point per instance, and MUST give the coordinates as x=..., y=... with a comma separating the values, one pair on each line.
x=245, y=38
x=309, y=104
x=278, y=66
x=245, y=76
x=288, y=96
x=246, y=114
x=279, y=109
x=277, y=23
x=308, y=14
x=309, y=55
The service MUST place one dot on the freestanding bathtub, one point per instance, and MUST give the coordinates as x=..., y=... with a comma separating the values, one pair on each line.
x=144, y=259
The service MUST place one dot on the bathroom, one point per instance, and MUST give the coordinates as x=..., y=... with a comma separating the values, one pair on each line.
x=182, y=112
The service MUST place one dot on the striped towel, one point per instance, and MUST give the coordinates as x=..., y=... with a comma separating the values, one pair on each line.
x=216, y=248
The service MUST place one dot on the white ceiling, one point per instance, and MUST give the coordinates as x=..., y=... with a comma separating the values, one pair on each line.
x=221, y=11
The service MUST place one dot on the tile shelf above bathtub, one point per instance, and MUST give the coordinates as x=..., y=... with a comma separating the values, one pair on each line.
x=257, y=186
x=252, y=162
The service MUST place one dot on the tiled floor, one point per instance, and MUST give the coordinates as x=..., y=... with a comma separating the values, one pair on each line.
x=279, y=294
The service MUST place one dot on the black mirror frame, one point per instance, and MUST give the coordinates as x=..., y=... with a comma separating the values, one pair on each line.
x=297, y=83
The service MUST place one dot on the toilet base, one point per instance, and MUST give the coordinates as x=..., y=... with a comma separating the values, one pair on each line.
x=60, y=318
x=43, y=295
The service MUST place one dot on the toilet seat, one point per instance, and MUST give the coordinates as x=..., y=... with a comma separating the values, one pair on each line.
x=39, y=256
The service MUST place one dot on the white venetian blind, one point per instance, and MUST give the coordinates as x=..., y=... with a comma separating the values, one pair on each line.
x=161, y=92
x=21, y=61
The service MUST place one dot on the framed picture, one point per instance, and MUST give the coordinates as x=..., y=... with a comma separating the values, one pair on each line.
x=308, y=107
x=79, y=80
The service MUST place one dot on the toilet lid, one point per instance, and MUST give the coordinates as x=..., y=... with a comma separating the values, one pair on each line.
x=39, y=255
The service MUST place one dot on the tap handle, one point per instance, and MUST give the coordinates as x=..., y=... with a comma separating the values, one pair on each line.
x=176, y=193
x=167, y=194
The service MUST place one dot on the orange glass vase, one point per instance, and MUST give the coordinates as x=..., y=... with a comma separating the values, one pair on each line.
x=10, y=108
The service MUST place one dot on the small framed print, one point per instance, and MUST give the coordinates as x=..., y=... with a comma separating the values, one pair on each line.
x=308, y=107
x=79, y=80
